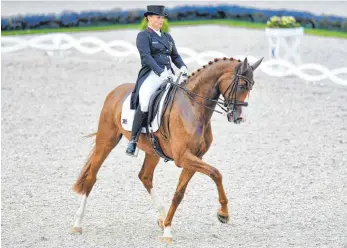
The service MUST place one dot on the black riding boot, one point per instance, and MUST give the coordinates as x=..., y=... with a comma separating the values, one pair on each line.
x=139, y=119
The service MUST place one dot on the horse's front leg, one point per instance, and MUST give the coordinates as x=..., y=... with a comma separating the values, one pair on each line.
x=194, y=163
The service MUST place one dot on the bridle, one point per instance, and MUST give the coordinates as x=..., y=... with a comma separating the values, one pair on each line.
x=231, y=103
x=228, y=104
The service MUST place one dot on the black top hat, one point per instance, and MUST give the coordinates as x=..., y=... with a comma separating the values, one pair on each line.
x=155, y=10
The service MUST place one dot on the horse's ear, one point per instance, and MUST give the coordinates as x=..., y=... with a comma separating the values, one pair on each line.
x=256, y=64
x=244, y=66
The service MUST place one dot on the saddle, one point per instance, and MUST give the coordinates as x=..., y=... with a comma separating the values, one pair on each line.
x=158, y=103
x=153, y=108
x=154, y=101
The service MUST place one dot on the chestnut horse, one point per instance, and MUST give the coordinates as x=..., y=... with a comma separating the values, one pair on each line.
x=188, y=133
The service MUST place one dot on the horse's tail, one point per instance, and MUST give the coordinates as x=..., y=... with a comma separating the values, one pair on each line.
x=90, y=135
x=78, y=187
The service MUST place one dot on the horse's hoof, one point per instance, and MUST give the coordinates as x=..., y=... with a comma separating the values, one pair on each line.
x=222, y=218
x=161, y=223
x=77, y=230
x=167, y=240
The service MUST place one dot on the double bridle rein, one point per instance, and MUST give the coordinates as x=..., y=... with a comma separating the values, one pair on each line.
x=230, y=103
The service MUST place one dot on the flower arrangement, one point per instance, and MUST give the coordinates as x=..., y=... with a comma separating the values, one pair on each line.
x=165, y=27
x=282, y=22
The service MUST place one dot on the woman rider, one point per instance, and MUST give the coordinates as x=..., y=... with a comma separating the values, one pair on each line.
x=155, y=48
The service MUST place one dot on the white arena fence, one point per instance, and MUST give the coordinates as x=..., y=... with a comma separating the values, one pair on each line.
x=119, y=48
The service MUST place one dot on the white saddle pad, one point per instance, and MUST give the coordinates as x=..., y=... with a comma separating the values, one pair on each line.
x=128, y=114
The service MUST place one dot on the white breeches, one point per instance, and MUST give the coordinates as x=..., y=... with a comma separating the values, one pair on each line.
x=148, y=87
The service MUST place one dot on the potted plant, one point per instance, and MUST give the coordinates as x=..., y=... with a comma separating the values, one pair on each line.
x=282, y=22
x=284, y=26
x=284, y=35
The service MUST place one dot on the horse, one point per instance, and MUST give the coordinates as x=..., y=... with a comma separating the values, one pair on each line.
x=188, y=133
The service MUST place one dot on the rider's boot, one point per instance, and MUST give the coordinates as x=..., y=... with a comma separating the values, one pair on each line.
x=139, y=120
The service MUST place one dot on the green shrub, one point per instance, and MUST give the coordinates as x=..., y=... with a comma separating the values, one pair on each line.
x=165, y=27
x=344, y=26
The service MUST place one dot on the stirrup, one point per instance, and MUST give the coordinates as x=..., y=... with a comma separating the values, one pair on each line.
x=133, y=154
x=136, y=152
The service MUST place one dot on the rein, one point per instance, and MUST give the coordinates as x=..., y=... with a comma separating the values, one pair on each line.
x=220, y=102
x=191, y=95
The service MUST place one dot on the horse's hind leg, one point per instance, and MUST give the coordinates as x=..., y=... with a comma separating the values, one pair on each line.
x=107, y=138
x=146, y=176
x=185, y=177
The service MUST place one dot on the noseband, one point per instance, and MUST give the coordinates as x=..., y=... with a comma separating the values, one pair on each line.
x=231, y=102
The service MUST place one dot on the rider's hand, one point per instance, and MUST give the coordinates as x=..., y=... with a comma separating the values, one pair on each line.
x=164, y=75
x=184, y=71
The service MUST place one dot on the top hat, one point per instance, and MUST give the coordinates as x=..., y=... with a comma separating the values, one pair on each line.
x=155, y=10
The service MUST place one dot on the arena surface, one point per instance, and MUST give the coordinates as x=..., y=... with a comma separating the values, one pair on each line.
x=284, y=170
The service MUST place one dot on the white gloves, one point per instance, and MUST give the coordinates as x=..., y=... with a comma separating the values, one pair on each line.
x=165, y=74
x=184, y=71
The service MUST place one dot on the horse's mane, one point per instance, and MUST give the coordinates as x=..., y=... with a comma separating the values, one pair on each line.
x=197, y=72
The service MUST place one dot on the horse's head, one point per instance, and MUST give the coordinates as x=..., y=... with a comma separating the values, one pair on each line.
x=236, y=90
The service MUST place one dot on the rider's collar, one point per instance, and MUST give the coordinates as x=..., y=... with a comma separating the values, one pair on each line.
x=158, y=32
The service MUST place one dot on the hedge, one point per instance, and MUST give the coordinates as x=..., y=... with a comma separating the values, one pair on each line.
x=233, y=12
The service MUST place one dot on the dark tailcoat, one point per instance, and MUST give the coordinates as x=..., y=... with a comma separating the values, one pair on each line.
x=155, y=53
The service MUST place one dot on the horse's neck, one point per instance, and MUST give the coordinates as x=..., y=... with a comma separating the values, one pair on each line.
x=205, y=84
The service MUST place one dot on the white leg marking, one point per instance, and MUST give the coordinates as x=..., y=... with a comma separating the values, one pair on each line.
x=167, y=232
x=167, y=236
x=80, y=212
x=158, y=204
